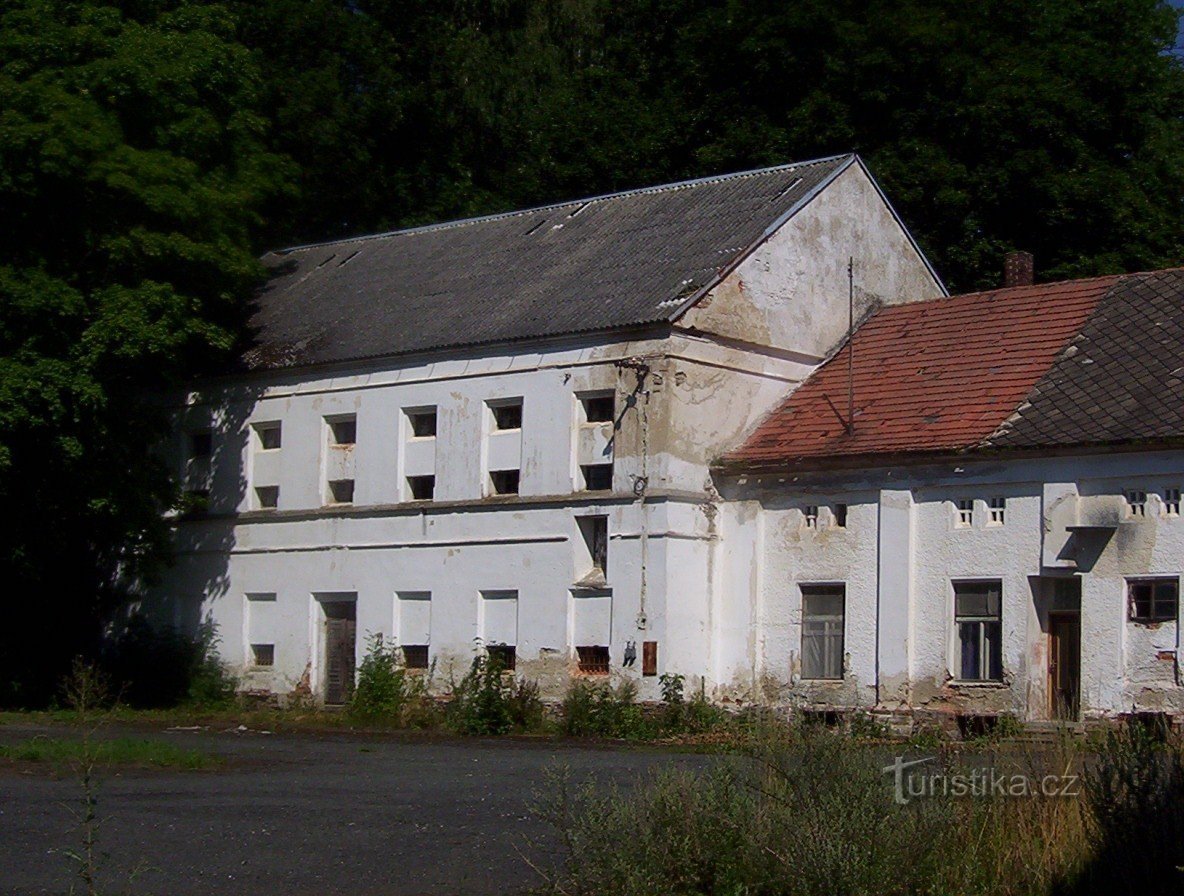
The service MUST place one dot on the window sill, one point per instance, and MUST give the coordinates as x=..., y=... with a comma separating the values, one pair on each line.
x=979, y=685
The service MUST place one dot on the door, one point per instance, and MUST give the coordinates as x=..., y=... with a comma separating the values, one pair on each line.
x=340, y=637
x=1064, y=668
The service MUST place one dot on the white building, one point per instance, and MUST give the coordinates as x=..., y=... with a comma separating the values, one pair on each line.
x=999, y=528
x=496, y=433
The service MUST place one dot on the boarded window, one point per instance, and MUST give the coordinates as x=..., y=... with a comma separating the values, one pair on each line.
x=506, y=414
x=823, y=609
x=498, y=617
x=413, y=621
x=504, y=482
x=591, y=618
x=341, y=491
x=593, y=660
x=422, y=488
x=978, y=618
x=597, y=477
x=262, y=620
x=343, y=431
x=1153, y=600
x=422, y=422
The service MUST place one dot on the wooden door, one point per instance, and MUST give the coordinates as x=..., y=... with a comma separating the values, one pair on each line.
x=340, y=645
x=1064, y=668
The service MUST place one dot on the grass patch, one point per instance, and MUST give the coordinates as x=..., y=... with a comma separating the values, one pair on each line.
x=141, y=752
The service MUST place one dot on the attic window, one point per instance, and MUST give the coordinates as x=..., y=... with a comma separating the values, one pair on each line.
x=1136, y=503
x=1171, y=501
x=996, y=510
x=811, y=515
x=839, y=516
x=965, y=510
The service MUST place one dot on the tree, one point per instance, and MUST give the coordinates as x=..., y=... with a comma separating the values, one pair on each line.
x=133, y=162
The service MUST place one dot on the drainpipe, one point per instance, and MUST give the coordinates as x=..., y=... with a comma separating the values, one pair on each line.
x=642, y=368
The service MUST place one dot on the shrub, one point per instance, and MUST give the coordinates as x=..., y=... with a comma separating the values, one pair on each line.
x=489, y=701
x=600, y=710
x=160, y=667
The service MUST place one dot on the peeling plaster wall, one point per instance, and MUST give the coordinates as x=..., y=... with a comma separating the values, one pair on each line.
x=903, y=546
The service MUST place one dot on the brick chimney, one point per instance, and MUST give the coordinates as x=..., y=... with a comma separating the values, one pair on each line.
x=1018, y=269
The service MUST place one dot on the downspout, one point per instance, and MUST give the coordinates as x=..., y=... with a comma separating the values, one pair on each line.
x=641, y=396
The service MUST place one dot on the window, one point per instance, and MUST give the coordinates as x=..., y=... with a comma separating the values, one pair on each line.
x=422, y=422
x=502, y=655
x=593, y=660
x=415, y=656
x=269, y=436
x=839, y=516
x=594, y=529
x=263, y=654
x=1153, y=600
x=1136, y=503
x=507, y=414
x=341, y=491
x=1171, y=502
x=977, y=608
x=343, y=431
x=421, y=488
x=599, y=407
x=996, y=507
x=504, y=482
x=822, y=631
x=597, y=477
x=267, y=497
x=810, y=512
x=201, y=445
x=965, y=513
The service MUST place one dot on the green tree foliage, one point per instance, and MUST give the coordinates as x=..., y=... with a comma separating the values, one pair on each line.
x=132, y=166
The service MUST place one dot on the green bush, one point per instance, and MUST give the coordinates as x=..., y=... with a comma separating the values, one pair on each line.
x=153, y=668
x=489, y=700
x=600, y=710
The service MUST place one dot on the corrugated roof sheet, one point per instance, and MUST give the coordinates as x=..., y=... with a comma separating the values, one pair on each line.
x=1081, y=362
x=609, y=262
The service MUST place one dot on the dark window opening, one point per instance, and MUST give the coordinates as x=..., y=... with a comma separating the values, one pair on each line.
x=977, y=615
x=502, y=656
x=593, y=660
x=341, y=491
x=594, y=530
x=507, y=415
x=344, y=432
x=597, y=477
x=263, y=654
x=422, y=488
x=423, y=423
x=415, y=656
x=599, y=408
x=1154, y=600
x=201, y=445
x=841, y=516
x=269, y=436
x=505, y=482
x=268, y=496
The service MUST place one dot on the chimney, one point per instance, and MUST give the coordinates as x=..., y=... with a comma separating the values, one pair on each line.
x=1018, y=269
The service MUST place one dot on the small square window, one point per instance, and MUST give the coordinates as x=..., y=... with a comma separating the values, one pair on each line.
x=593, y=660
x=599, y=407
x=422, y=422
x=267, y=497
x=341, y=491
x=415, y=656
x=810, y=514
x=1136, y=503
x=201, y=445
x=597, y=477
x=504, y=482
x=421, y=488
x=965, y=513
x=1153, y=600
x=1171, y=502
x=996, y=508
x=506, y=414
x=344, y=431
x=503, y=656
x=839, y=516
x=269, y=435
x=263, y=654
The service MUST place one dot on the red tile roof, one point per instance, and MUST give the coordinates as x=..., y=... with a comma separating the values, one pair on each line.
x=931, y=376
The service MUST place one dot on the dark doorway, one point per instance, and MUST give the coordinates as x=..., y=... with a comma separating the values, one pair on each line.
x=1064, y=665
x=340, y=643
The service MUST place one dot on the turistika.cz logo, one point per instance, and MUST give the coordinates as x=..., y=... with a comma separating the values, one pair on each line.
x=911, y=782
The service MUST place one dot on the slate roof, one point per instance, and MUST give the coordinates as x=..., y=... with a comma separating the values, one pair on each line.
x=1071, y=364
x=609, y=262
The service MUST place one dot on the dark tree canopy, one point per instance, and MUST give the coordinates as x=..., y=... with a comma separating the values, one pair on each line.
x=150, y=149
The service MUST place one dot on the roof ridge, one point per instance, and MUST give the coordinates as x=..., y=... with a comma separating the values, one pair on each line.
x=514, y=213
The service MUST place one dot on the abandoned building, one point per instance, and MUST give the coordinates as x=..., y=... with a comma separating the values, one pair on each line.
x=629, y=435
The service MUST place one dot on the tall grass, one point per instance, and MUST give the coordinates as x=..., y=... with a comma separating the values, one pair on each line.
x=811, y=812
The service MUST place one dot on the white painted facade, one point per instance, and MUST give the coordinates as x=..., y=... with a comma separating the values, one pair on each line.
x=905, y=548
x=279, y=548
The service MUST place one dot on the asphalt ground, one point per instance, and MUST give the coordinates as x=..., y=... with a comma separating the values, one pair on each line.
x=297, y=814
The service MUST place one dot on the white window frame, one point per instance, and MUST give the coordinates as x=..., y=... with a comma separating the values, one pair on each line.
x=1136, y=503
x=829, y=628
x=996, y=510
x=983, y=675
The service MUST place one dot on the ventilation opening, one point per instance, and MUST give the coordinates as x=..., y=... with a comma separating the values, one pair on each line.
x=504, y=482
x=263, y=654
x=598, y=407
x=506, y=414
x=597, y=477
x=415, y=656
x=267, y=496
x=593, y=660
x=343, y=431
x=422, y=488
x=423, y=422
x=503, y=656
x=341, y=491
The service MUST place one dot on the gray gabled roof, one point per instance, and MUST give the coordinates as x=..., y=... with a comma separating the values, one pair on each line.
x=592, y=265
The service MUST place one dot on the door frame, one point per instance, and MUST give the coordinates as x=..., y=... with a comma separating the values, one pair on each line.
x=318, y=623
x=1053, y=669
